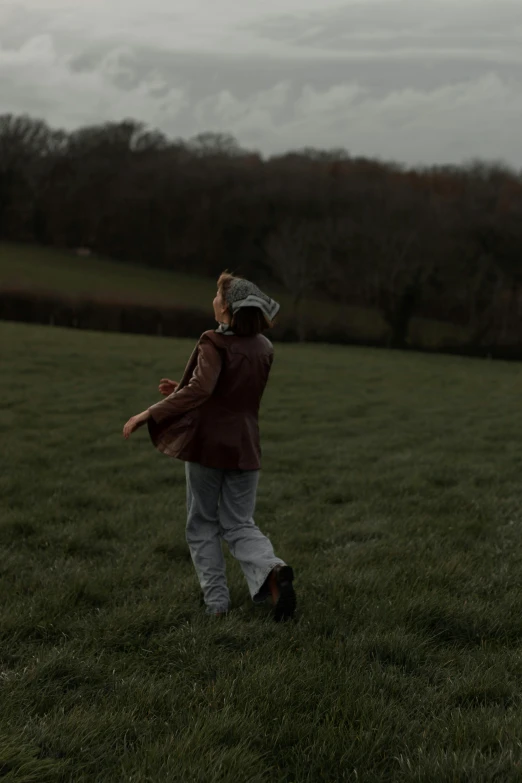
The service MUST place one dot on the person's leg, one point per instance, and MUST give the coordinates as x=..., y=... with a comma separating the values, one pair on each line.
x=247, y=543
x=203, y=491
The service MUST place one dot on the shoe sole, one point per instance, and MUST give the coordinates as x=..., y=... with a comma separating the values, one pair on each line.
x=287, y=602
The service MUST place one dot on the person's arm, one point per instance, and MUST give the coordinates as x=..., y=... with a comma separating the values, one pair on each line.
x=199, y=388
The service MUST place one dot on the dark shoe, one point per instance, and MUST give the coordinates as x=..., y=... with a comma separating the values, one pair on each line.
x=283, y=593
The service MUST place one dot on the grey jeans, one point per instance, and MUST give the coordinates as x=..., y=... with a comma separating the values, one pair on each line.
x=220, y=505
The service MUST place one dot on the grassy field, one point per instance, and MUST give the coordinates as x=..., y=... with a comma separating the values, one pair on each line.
x=61, y=271
x=391, y=483
x=58, y=271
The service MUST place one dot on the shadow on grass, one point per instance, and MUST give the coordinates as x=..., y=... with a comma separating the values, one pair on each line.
x=175, y=552
x=15, y=531
x=405, y=653
x=481, y=698
x=20, y=761
x=446, y=626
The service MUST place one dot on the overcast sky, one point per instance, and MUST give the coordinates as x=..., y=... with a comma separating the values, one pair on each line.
x=419, y=81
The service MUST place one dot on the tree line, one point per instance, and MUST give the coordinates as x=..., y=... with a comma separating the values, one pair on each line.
x=441, y=243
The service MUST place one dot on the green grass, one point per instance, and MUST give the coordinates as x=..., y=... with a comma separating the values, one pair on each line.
x=391, y=483
x=61, y=271
x=29, y=267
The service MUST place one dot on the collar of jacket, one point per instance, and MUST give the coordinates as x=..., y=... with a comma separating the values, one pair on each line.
x=224, y=329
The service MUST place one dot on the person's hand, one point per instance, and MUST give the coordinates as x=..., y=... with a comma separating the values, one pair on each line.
x=134, y=423
x=166, y=386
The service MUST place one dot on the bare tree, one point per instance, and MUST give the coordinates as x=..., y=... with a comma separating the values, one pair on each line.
x=300, y=254
x=393, y=258
x=214, y=144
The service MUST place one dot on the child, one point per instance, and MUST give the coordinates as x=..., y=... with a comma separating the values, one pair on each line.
x=210, y=420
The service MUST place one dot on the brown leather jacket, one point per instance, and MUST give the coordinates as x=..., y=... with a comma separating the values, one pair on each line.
x=212, y=418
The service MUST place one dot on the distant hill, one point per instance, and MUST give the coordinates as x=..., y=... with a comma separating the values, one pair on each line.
x=71, y=274
x=64, y=272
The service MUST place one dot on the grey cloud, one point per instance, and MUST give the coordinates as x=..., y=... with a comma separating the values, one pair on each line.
x=424, y=107
x=18, y=26
x=206, y=74
x=476, y=24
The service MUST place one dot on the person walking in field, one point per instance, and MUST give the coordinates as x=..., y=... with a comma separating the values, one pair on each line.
x=210, y=421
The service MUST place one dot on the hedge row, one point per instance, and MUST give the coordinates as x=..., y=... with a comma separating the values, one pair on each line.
x=120, y=316
x=112, y=316
x=103, y=316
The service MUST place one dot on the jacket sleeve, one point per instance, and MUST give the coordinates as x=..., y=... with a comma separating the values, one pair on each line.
x=199, y=388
